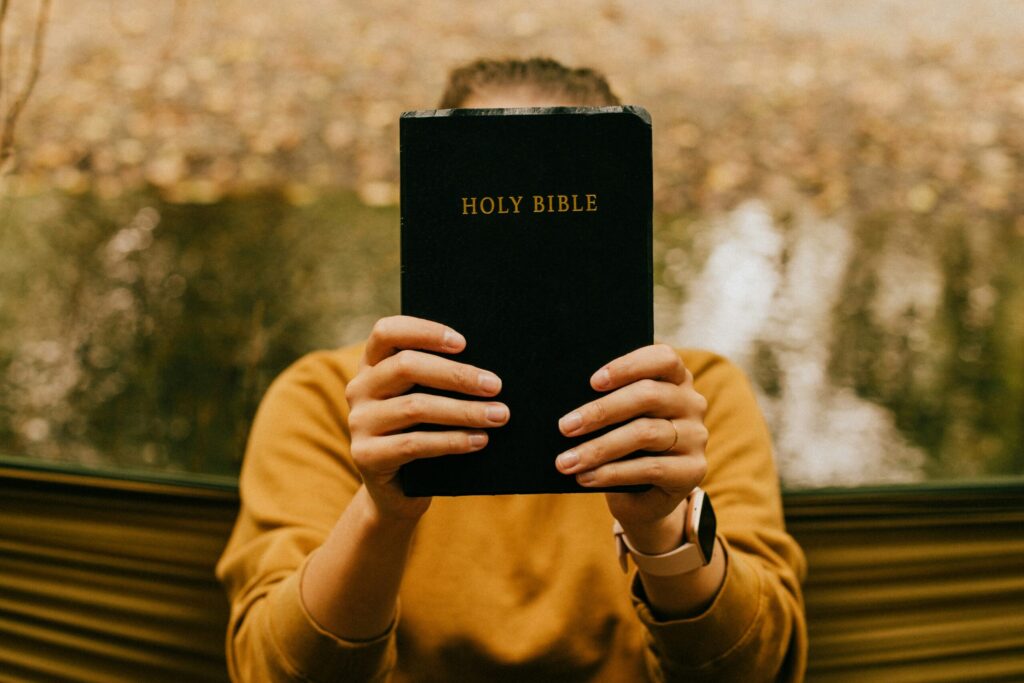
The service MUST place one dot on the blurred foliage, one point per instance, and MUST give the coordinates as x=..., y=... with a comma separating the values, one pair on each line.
x=204, y=191
x=143, y=334
x=952, y=370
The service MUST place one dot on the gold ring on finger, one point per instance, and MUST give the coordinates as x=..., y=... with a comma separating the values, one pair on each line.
x=675, y=437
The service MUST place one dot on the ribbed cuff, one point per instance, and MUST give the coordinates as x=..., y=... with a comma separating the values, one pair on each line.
x=701, y=640
x=318, y=655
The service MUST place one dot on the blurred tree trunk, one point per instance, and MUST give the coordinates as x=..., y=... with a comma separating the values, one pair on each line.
x=13, y=99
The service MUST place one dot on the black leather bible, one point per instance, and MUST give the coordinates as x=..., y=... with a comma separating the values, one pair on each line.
x=528, y=231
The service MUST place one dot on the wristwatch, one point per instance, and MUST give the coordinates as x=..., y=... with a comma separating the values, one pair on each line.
x=695, y=552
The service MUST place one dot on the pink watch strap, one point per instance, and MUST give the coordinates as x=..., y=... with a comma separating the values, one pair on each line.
x=681, y=560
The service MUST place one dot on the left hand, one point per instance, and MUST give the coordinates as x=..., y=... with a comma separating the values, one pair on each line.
x=651, y=393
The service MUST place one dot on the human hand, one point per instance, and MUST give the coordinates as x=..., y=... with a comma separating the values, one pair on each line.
x=395, y=361
x=651, y=393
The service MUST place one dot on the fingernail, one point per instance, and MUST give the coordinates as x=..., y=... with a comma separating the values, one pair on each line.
x=571, y=422
x=496, y=413
x=477, y=440
x=452, y=339
x=488, y=382
x=601, y=378
x=585, y=477
x=567, y=460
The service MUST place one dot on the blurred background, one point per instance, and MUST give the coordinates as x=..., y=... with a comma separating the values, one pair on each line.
x=198, y=193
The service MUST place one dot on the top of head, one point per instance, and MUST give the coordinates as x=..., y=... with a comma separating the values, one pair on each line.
x=534, y=82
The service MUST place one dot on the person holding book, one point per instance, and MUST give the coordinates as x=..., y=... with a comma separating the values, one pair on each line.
x=334, y=574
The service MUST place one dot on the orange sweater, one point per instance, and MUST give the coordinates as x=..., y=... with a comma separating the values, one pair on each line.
x=506, y=588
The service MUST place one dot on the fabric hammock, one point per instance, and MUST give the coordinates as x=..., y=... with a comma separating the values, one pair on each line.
x=106, y=577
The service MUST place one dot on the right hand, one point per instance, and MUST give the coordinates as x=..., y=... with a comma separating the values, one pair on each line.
x=380, y=411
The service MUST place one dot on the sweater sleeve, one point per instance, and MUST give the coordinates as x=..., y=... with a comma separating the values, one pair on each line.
x=755, y=629
x=297, y=479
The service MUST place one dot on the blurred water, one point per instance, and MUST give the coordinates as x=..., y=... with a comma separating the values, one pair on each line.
x=747, y=294
x=142, y=334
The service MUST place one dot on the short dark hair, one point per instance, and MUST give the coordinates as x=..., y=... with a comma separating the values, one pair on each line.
x=548, y=77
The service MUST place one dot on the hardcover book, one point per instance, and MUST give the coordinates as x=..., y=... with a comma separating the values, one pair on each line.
x=528, y=231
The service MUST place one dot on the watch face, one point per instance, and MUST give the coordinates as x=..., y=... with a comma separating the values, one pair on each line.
x=706, y=528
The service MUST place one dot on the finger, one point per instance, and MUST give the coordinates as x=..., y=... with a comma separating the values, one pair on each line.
x=397, y=332
x=388, y=453
x=399, y=373
x=658, y=361
x=642, y=434
x=669, y=472
x=643, y=397
x=407, y=410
